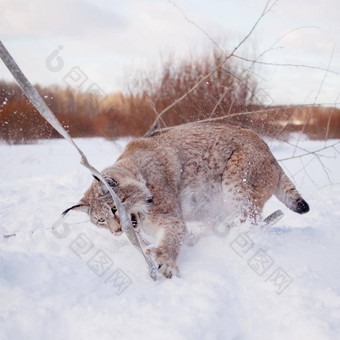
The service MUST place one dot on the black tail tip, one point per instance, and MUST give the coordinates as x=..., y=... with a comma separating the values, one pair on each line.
x=302, y=206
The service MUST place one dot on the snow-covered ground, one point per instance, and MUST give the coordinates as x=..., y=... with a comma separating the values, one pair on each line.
x=280, y=282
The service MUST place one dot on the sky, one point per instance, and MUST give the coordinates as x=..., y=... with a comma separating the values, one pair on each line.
x=102, y=45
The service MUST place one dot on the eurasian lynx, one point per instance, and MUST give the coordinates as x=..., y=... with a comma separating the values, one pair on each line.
x=193, y=172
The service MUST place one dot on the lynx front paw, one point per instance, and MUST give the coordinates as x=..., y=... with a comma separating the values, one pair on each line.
x=166, y=265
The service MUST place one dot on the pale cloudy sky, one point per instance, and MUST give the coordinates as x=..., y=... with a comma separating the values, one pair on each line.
x=109, y=40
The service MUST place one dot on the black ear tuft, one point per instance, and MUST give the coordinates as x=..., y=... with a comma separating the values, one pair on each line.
x=96, y=178
x=73, y=207
x=112, y=182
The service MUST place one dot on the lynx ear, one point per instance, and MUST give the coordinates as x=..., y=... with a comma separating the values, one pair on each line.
x=78, y=207
x=111, y=182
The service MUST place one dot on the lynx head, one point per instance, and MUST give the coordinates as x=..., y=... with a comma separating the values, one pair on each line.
x=99, y=205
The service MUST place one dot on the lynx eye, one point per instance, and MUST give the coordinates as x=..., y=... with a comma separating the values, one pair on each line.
x=113, y=210
x=134, y=220
x=101, y=220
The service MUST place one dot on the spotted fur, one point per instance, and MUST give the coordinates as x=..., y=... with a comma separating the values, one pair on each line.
x=193, y=172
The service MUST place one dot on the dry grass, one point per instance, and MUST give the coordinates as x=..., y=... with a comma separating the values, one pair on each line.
x=229, y=90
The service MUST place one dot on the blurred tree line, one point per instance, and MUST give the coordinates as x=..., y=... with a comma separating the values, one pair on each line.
x=229, y=92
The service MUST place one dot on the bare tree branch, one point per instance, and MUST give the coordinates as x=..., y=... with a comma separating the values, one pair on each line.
x=316, y=97
x=155, y=128
x=270, y=48
x=309, y=152
x=226, y=90
x=269, y=5
x=246, y=113
x=318, y=68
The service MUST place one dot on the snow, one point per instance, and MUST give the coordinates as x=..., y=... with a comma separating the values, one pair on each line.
x=52, y=285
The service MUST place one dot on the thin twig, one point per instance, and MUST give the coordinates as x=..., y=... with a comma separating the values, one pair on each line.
x=316, y=98
x=247, y=113
x=255, y=61
x=317, y=156
x=226, y=90
x=311, y=67
x=194, y=24
x=242, y=84
x=304, y=166
x=266, y=9
x=153, y=106
x=309, y=152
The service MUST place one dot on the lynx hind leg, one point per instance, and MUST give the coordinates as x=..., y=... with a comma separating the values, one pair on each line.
x=247, y=183
x=240, y=203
